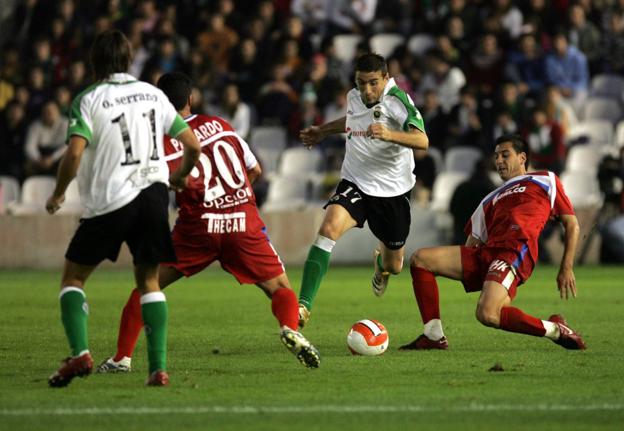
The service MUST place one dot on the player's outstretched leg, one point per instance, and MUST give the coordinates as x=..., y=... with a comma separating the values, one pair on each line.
x=294, y=341
x=568, y=338
x=380, y=278
x=314, y=270
x=77, y=366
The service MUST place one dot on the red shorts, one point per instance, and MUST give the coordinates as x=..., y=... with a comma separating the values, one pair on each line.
x=248, y=256
x=502, y=265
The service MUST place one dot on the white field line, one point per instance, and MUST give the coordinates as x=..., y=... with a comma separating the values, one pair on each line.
x=342, y=409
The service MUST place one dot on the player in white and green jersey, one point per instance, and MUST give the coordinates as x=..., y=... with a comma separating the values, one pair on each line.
x=383, y=128
x=115, y=148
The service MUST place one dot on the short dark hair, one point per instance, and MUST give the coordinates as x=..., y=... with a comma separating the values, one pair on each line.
x=177, y=86
x=519, y=145
x=110, y=53
x=371, y=62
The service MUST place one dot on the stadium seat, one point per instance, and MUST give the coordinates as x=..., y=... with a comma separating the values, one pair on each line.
x=443, y=188
x=268, y=159
x=9, y=192
x=606, y=85
x=384, y=44
x=268, y=137
x=600, y=108
x=286, y=192
x=345, y=46
x=599, y=132
x=419, y=44
x=35, y=192
x=72, y=204
x=462, y=159
x=299, y=161
x=582, y=188
x=584, y=158
x=438, y=159
x=619, y=134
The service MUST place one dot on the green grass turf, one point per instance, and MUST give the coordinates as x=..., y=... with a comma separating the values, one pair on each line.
x=254, y=383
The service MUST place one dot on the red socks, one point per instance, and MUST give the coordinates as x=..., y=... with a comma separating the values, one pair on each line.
x=130, y=326
x=285, y=308
x=515, y=320
x=426, y=292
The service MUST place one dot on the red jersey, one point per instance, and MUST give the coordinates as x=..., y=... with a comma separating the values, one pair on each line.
x=218, y=192
x=513, y=215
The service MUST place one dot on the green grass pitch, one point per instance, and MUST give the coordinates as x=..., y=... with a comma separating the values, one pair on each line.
x=229, y=370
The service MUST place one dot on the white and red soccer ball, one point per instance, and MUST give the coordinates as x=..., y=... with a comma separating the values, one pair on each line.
x=367, y=337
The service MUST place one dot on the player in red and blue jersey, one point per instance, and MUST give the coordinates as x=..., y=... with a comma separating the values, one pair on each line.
x=500, y=253
x=217, y=220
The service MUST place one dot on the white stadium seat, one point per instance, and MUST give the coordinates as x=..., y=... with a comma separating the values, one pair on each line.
x=582, y=188
x=584, y=158
x=286, y=193
x=268, y=159
x=462, y=159
x=300, y=161
x=345, y=46
x=268, y=137
x=598, y=132
x=9, y=192
x=619, y=134
x=606, y=85
x=72, y=204
x=443, y=188
x=35, y=192
x=384, y=44
x=419, y=44
x=438, y=159
x=600, y=108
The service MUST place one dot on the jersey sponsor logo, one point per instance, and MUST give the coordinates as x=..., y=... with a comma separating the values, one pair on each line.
x=239, y=197
x=351, y=132
x=226, y=223
x=516, y=189
x=498, y=265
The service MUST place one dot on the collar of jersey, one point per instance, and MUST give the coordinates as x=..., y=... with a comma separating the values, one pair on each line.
x=120, y=78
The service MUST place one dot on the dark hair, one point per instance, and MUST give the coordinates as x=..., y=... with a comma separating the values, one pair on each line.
x=371, y=62
x=177, y=86
x=519, y=145
x=110, y=53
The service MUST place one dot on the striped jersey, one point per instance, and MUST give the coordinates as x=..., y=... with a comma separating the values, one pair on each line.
x=380, y=168
x=124, y=122
x=514, y=214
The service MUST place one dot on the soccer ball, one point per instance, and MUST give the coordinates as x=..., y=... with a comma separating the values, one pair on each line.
x=368, y=338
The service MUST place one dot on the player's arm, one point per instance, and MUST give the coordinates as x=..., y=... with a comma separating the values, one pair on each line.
x=254, y=172
x=566, y=282
x=414, y=138
x=67, y=170
x=189, y=158
x=310, y=136
x=473, y=241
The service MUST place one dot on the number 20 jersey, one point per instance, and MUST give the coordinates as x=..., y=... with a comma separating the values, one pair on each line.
x=218, y=198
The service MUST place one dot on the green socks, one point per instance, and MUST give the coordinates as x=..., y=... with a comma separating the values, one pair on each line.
x=74, y=312
x=155, y=316
x=315, y=269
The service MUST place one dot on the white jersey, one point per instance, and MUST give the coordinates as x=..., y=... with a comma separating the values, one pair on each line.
x=124, y=121
x=380, y=168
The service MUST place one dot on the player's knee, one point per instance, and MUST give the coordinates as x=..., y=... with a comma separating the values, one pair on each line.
x=418, y=259
x=488, y=316
x=393, y=268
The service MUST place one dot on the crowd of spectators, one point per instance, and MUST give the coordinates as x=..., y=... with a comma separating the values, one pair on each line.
x=496, y=67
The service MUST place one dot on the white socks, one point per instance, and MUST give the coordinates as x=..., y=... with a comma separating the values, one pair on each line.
x=433, y=329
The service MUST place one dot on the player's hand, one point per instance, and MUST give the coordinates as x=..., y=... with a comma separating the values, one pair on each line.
x=378, y=131
x=53, y=204
x=310, y=136
x=566, y=283
x=177, y=182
